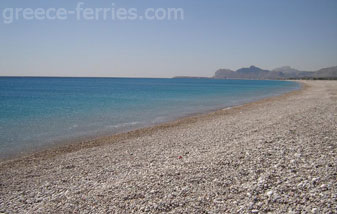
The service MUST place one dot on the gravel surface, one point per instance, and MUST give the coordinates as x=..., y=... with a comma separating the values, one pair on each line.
x=278, y=155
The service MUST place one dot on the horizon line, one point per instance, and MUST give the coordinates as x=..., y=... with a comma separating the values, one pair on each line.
x=16, y=76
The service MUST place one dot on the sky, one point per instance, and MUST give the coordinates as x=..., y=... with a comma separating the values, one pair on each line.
x=212, y=34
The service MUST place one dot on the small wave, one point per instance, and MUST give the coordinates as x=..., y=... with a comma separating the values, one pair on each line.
x=73, y=126
x=121, y=125
x=159, y=119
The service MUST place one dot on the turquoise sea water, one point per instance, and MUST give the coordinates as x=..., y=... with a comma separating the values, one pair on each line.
x=39, y=112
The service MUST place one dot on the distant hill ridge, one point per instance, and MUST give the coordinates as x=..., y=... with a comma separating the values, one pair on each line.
x=285, y=72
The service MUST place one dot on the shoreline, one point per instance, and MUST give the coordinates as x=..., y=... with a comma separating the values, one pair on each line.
x=276, y=155
x=85, y=142
x=58, y=142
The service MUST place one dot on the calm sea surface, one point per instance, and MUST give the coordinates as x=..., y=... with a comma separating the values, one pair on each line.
x=40, y=112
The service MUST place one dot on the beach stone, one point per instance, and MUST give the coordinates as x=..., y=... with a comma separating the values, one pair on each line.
x=269, y=193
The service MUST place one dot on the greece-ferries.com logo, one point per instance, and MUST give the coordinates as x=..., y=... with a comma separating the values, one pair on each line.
x=82, y=13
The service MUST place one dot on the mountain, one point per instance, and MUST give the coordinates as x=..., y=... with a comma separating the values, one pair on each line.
x=285, y=72
x=251, y=72
x=224, y=73
x=289, y=72
x=326, y=72
x=286, y=69
x=330, y=72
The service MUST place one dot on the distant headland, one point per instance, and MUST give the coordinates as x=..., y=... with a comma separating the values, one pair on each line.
x=281, y=73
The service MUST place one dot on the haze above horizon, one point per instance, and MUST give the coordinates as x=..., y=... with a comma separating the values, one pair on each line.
x=211, y=35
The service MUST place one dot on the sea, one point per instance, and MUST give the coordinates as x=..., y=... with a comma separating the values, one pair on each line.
x=39, y=112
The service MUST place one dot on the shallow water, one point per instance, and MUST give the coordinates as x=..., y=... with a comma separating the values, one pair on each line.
x=37, y=112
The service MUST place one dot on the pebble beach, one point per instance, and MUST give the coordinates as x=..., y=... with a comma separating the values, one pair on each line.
x=276, y=155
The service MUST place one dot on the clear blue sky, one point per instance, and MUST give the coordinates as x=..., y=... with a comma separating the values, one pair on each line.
x=214, y=34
